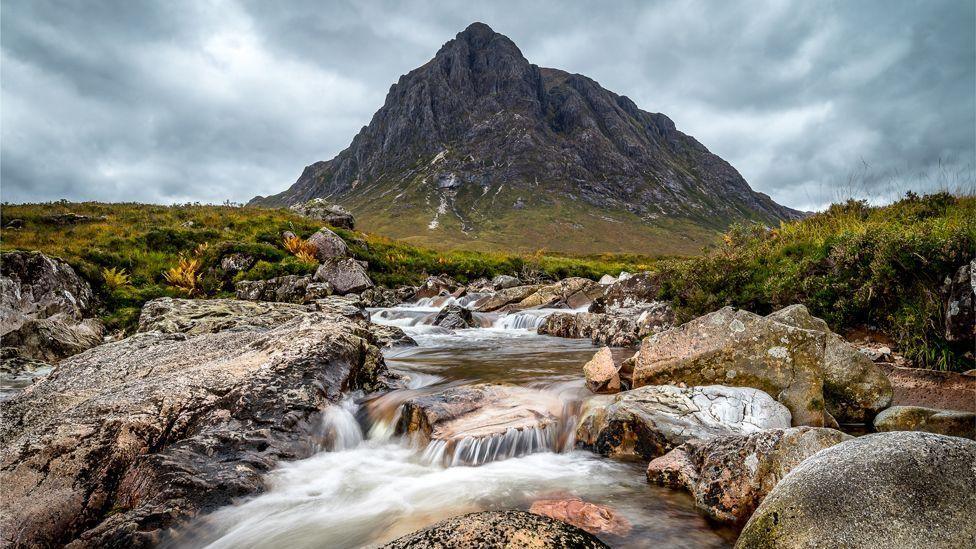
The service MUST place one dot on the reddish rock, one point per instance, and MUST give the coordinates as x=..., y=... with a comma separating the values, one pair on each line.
x=595, y=519
x=601, y=373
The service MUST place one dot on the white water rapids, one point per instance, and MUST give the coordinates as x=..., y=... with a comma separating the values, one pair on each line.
x=366, y=487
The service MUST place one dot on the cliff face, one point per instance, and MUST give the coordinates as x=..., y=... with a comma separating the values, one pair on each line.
x=478, y=142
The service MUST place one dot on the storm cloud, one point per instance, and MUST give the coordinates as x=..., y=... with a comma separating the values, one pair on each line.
x=212, y=101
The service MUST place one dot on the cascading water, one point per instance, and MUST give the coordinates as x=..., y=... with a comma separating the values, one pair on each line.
x=340, y=430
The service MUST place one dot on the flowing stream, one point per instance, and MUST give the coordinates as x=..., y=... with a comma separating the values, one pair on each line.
x=367, y=487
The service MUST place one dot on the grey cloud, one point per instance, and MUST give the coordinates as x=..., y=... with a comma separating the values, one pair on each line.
x=175, y=101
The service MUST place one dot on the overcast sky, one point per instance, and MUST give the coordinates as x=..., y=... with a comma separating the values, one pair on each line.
x=184, y=101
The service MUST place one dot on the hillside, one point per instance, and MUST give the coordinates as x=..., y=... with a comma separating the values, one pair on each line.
x=481, y=149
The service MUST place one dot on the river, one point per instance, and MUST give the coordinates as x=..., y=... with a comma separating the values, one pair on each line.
x=367, y=487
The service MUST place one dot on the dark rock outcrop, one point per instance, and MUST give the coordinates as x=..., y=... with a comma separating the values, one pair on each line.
x=960, y=292
x=498, y=530
x=479, y=120
x=454, y=317
x=124, y=441
x=881, y=490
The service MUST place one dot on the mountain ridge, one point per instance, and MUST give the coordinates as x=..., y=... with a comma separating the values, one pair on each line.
x=477, y=143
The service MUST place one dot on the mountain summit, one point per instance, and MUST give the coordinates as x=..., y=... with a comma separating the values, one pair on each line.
x=479, y=148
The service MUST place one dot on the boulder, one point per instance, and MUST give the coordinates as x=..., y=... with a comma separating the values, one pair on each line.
x=504, y=298
x=594, y=518
x=235, y=263
x=43, y=307
x=320, y=210
x=502, y=282
x=435, y=286
x=790, y=354
x=284, y=289
x=601, y=373
x=653, y=420
x=345, y=276
x=955, y=423
x=498, y=530
x=621, y=329
x=729, y=476
x=328, y=244
x=474, y=424
x=387, y=297
x=627, y=291
x=571, y=292
x=133, y=437
x=903, y=489
x=960, y=316
x=454, y=317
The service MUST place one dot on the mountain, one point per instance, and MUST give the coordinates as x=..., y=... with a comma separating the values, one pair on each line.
x=481, y=149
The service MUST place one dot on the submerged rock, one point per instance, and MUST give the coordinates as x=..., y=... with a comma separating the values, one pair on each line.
x=955, y=423
x=454, y=317
x=498, y=530
x=790, y=353
x=882, y=490
x=132, y=437
x=653, y=420
x=328, y=244
x=476, y=424
x=594, y=518
x=729, y=476
x=345, y=276
x=601, y=373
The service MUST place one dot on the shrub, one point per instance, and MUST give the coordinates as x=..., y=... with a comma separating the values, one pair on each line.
x=184, y=276
x=115, y=278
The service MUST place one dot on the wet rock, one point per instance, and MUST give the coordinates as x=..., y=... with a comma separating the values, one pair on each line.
x=206, y=316
x=235, y=263
x=498, y=529
x=931, y=388
x=504, y=298
x=883, y=490
x=931, y=420
x=435, y=286
x=601, y=373
x=345, y=276
x=475, y=424
x=390, y=336
x=502, y=282
x=135, y=436
x=333, y=214
x=328, y=244
x=814, y=372
x=454, y=317
x=594, y=518
x=960, y=292
x=43, y=307
x=284, y=289
x=729, y=476
x=653, y=420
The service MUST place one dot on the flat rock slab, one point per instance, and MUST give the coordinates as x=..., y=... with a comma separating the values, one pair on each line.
x=592, y=517
x=883, y=490
x=652, y=420
x=498, y=530
x=127, y=439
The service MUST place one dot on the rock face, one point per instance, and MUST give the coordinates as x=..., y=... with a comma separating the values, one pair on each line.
x=882, y=490
x=651, y=421
x=442, y=140
x=601, y=373
x=595, y=519
x=789, y=353
x=333, y=214
x=129, y=438
x=916, y=418
x=328, y=244
x=43, y=305
x=960, y=289
x=345, y=276
x=498, y=530
x=454, y=317
x=729, y=476
x=284, y=289
x=475, y=424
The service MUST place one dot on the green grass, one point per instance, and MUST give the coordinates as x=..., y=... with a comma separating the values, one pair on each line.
x=853, y=265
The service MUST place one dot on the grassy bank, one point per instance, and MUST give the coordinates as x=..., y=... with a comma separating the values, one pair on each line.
x=853, y=265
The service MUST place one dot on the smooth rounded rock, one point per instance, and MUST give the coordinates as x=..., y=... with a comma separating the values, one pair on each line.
x=498, y=529
x=954, y=423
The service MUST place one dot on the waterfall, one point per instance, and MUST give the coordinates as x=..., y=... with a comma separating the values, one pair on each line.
x=340, y=430
x=480, y=450
x=523, y=320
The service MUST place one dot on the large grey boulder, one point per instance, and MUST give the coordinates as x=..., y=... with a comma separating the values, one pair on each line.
x=905, y=489
x=44, y=307
x=328, y=244
x=790, y=354
x=498, y=530
x=729, y=476
x=345, y=276
x=653, y=420
x=130, y=438
x=333, y=214
x=955, y=423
